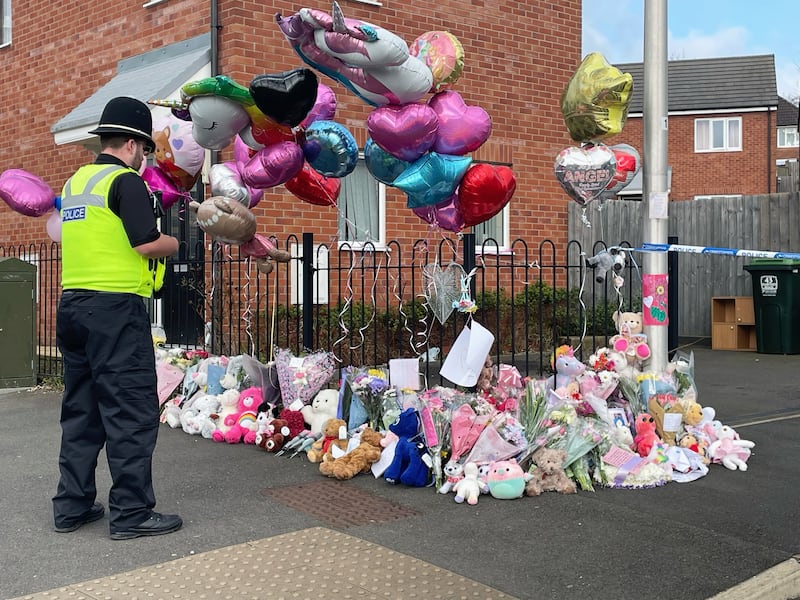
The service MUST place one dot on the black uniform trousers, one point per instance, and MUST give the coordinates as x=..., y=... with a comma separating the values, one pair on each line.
x=110, y=398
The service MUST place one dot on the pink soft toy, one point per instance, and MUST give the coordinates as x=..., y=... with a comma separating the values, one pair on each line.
x=243, y=423
x=729, y=450
x=646, y=436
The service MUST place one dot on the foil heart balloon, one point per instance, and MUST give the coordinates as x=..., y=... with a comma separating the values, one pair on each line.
x=285, y=97
x=484, y=191
x=324, y=108
x=628, y=163
x=314, y=187
x=159, y=181
x=445, y=215
x=406, y=132
x=273, y=165
x=584, y=172
x=462, y=128
x=26, y=193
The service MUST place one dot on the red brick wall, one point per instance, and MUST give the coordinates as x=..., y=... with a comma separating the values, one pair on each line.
x=751, y=171
x=519, y=56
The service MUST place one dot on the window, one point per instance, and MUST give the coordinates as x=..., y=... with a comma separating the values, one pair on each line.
x=788, y=137
x=362, y=208
x=5, y=35
x=718, y=135
x=495, y=229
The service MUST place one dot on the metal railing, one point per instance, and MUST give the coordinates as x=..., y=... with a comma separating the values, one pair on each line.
x=369, y=304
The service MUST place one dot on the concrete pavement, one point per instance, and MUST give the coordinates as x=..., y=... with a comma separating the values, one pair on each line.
x=273, y=527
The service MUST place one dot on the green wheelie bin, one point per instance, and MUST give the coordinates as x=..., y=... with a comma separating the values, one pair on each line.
x=776, y=303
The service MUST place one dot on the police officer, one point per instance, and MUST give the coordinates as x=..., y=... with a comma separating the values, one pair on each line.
x=112, y=259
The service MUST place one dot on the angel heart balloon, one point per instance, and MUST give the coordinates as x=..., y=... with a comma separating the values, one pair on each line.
x=584, y=172
x=462, y=128
x=484, y=191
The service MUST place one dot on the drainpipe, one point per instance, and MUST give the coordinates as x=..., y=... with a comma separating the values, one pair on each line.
x=216, y=265
x=769, y=151
x=215, y=27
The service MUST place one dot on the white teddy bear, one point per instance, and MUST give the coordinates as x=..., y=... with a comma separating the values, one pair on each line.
x=324, y=406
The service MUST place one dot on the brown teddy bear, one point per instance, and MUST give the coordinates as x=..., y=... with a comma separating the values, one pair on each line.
x=358, y=460
x=331, y=435
x=549, y=475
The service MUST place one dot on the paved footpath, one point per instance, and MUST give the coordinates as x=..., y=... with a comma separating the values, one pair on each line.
x=261, y=526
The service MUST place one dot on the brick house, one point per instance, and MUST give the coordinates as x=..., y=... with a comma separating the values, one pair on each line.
x=723, y=127
x=59, y=68
x=788, y=150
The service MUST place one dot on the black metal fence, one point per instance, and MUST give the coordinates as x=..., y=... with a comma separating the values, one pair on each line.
x=369, y=304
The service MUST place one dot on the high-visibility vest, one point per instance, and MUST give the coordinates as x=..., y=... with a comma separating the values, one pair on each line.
x=96, y=253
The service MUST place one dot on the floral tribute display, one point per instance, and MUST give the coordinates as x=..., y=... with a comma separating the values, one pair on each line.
x=602, y=423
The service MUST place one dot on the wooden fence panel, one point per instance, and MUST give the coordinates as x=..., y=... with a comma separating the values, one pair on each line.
x=767, y=222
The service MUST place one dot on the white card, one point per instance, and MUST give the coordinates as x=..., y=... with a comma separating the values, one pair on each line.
x=404, y=373
x=387, y=456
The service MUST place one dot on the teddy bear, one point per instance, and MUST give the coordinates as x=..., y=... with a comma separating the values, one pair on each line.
x=507, y=480
x=334, y=432
x=242, y=422
x=607, y=261
x=407, y=466
x=646, y=436
x=201, y=418
x=453, y=472
x=229, y=400
x=549, y=476
x=274, y=437
x=358, y=460
x=469, y=486
x=692, y=414
x=729, y=450
x=630, y=340
x=324, y=406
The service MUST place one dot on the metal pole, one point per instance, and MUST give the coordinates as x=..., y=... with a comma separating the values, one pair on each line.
x=308, y=291
x=655, y=164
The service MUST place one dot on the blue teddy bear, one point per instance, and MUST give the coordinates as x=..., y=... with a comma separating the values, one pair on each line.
x=407, y=467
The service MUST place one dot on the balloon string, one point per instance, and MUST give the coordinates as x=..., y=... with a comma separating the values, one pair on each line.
x=248, y=313
x=348, y=300
x=374, y=306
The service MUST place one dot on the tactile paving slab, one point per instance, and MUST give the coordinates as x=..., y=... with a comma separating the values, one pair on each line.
x=345, y=505
x=311, y=563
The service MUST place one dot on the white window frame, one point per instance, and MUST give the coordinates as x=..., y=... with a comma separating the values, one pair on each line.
x=708, y=145
x=503, y=241
x=377, y=240
x=790, y=137
x=5, y=23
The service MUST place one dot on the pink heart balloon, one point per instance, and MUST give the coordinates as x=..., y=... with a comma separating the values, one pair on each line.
x=273, y=165
x=446, y=215
x=26, y=193
x=584, y=172
x=406, y=132
x=157, y=180
x=462, y=128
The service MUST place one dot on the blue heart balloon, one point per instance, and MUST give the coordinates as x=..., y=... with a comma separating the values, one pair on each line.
x=330, y=148
x=432, y=178
x=383, y=166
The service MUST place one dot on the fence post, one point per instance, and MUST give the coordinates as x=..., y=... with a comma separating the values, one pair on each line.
x=672, y=297
x=308, y=290
x=469, y=260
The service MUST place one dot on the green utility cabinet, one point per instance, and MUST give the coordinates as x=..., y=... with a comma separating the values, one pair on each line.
x=17, y=323
x=776, y=303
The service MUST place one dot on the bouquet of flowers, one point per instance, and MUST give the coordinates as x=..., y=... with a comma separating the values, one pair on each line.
x=436, y=407
x=370, y=386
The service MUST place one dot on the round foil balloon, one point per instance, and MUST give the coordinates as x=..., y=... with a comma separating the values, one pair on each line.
x=595, y=101
x=382, y=166
x=330, y=148
x=443, y=54
x=26, y=193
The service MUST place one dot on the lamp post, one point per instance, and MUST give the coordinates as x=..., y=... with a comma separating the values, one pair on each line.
x=655, y=180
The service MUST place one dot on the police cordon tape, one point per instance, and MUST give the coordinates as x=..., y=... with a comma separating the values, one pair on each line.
x=713, y=250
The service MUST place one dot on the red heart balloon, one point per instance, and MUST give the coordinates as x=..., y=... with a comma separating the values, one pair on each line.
x=484, y=191
x=313, y=187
